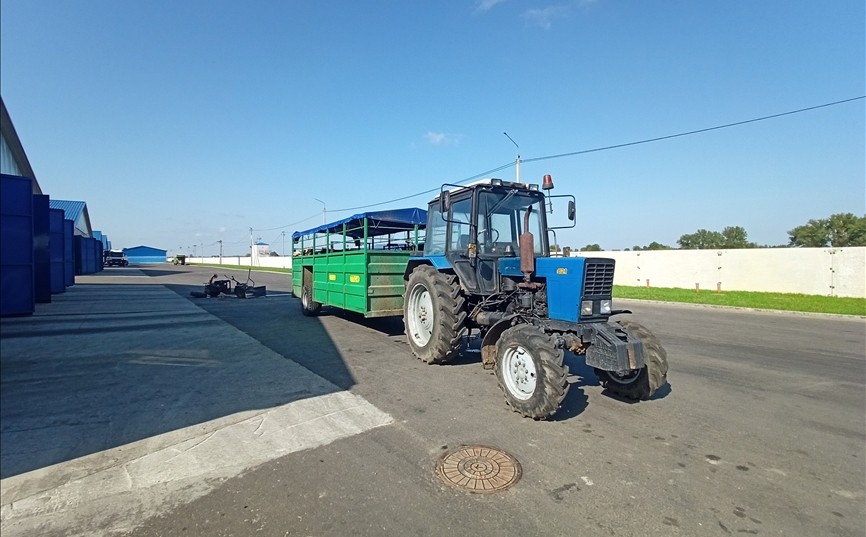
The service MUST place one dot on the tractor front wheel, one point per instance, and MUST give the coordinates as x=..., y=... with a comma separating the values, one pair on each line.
x=433, y=315
x=531, y=372
x=640, y=384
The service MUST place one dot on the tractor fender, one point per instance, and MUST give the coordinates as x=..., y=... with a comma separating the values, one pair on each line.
x=488, y=344
x=439, y=262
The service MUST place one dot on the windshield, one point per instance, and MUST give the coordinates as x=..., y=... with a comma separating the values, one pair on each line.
x=500, y=221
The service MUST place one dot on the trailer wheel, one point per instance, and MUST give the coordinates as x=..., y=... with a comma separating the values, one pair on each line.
x=309, y=306
x=531, y=372
x=640, y=384
x=433, y=315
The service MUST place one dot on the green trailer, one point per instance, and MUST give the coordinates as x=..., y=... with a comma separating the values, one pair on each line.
x=357, y=263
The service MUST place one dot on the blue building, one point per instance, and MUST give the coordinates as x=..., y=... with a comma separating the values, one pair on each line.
x=44, y=243
x=145, y=254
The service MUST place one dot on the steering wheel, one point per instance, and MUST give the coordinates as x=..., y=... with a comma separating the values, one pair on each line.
x=491, y=235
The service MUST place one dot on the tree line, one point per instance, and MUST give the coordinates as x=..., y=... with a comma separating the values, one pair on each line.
x=838, y=230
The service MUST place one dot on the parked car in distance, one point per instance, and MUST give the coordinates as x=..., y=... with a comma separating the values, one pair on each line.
x=114, y=258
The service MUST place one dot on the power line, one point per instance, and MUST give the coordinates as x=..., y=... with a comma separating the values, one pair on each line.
x=605, y=148
x=668, y=137
x=482, y=174
x=289, y=225
x=582, y=152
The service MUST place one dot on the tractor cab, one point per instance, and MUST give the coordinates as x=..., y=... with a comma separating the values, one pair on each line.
x=474, y=226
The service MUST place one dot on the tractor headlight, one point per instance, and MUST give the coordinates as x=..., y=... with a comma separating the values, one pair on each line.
x=595, y=307
x=586, y=307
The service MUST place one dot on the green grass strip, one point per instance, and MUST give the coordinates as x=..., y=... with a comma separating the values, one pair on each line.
x=748, y=299
x=738, y=299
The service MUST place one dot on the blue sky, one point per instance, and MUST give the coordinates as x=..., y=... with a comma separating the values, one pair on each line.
x=183, y=123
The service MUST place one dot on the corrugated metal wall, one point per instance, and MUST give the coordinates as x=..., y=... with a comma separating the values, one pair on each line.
x=16, y=246
x=145, y=254
x=69, y=252
x=41, y=249
x=55, y=226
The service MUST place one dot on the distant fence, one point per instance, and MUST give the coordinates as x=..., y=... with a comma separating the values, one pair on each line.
x=811, y=271
x=262, y=261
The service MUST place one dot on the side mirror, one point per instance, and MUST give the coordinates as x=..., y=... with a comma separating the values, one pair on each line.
x=571, y=210
x=445, y=202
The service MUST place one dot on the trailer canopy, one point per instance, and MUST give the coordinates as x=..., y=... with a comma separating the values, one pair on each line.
x=378, y=223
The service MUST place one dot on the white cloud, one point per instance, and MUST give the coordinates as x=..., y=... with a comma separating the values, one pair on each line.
x=544, y=17
x=486, y=5
x=441, y=138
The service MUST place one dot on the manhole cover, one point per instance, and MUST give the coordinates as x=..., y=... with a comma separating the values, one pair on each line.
x=479, y=469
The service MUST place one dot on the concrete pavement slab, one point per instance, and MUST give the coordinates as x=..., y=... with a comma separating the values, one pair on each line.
x=121, y=399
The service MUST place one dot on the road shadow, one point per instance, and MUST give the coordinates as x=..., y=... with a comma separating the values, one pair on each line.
x=577, y=366
x=157, y=273
x=108, y=364
x=276, y=322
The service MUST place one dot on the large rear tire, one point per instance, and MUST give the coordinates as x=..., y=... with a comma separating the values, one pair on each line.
x=641, y=384
x=433, y=315
x=309, y=307
x=531, y=372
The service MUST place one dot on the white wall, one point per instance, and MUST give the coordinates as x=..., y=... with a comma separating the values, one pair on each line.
x=271, y=262
x=811, y=271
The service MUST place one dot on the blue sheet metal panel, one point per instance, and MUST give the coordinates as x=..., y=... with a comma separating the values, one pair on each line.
x=55, y=226
x=99, y=250
x=41, y=253
x=146, y=259
x=564, y=282
x=16, y=246
x=92, y=265
x=564, y=277
x=144, y=251
x=68, y=252
x=80, y=255
x=89, y=251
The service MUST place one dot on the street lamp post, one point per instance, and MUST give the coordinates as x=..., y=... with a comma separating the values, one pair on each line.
x=518, y=154
x=324, y=211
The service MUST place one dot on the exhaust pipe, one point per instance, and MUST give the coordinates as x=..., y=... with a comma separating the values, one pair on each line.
x=526, y=243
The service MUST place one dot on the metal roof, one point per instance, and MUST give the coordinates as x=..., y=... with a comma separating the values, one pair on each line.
x=143, y=248
x=10, y=137
x=72, y=209
x=75, y=211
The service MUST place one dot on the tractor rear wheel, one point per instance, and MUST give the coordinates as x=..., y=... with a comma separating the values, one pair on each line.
x=433, y=315
x=640, y=384
x=531, y=372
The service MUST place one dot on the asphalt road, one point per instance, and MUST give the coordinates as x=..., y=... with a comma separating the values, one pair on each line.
x=761, y=431
x=127, y=398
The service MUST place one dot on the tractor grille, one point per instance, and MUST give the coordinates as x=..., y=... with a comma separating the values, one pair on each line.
x=598, y=278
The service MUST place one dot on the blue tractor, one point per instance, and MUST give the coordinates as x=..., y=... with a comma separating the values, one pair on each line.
x=487, y=267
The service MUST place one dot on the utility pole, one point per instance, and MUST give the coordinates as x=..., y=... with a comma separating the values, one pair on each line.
x=518, y=155
x=284, y=242
x=324, y=211
x=221, y=251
